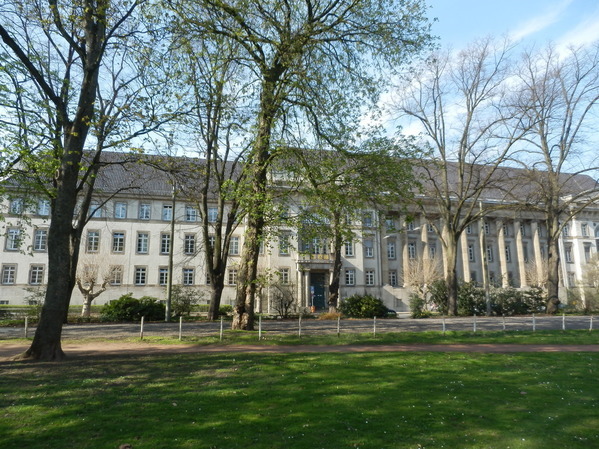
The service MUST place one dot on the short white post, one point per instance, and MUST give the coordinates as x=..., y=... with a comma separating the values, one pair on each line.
x=141, y=330
x=259, y=327
x=180, y=327
x=299, y=326
x=339, y=326
x=26, y=325
x=221, y=329
x=443, y=325
x=503, y=321
x=591, y=324
x=563, y=321
x=374, y=327
x=534, y=323
x=474, y=324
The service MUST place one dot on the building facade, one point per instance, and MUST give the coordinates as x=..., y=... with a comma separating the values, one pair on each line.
x=130, y=234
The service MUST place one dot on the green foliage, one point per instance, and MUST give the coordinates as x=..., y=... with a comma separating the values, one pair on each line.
x=439, y=296
x=471, y=300
x=363, y=306
x=418, y=307
x=184, y=299
x=128, y=308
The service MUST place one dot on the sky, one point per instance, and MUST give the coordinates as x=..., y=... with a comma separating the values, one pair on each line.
x=534, y=22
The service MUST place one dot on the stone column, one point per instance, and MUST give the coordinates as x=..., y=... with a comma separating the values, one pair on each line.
x=502, y=256
x=536, y=242
x=520, y=255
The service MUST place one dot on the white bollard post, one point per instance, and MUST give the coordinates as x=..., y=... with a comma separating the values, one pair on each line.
x=141, y=330
x=534, y=323
x=299, y=326
x=474, y=324
x=339, y=326
x=26, y=325
x=180, y=327
x=259, y=327
x=443, y=325
x=591, y=324
x=503, y=320
x=221, y=329
x=374, y=327
x=563, y=321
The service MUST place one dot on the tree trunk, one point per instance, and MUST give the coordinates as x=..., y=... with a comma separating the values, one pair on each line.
x=337, y=265
x=87, y=306
x=218, y=284
x=451, y=275
x=553, y=263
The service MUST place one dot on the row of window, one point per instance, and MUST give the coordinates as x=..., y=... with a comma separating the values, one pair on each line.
x=142, y=243
x=9, y=274
x=14, y=238
x=41, y=207
x=144, y=212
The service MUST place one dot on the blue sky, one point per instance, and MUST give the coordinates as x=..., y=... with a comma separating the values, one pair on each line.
x=562, y=22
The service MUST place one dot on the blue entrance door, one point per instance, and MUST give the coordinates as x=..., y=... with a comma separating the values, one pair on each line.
x=317, y=290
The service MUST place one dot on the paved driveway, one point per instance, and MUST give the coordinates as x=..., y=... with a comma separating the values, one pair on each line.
x=320, y=327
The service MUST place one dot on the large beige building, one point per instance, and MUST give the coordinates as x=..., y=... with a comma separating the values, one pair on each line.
x=128, y=239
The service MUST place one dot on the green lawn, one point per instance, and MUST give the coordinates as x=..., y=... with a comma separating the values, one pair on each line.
x=227, y=401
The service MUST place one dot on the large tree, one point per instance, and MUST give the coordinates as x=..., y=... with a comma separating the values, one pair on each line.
x=75, y=63
x=557, y=95
x=459, y=101
x=314, y=66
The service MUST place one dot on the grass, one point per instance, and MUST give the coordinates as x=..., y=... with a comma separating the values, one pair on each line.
x=366, y=400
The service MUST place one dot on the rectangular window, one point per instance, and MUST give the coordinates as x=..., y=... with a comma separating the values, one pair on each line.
x=189, y=244
x=393, y=278
x=145, y=211
x=566, y=231
x=13, y=239
x=432, y=250
x=522, y=230
x=165, y=243
x=167, y=212
x=390, y=224
x=487, y=228
x=568, y=250
x=489, y=253
x=40, y=240
x=368, y=219
x=411, y=250
x=212, y=214
x=234, y=246
x=120, y=210
x=369, y=277
x=188, y=276
x=211, y=241
x=9, y=273
x=191, y=213
x=506, y=231
x=95, y=210
x=368, y=248
x=118, y=242
x=350, y=276
x=162, y=275
x=584, y=229
x=232, y=276
x=587, y=253
x=116, y=275
x=43, y=208
x=525, y=252
x=284, y=244
x=16, y=206
x=141, y=275
x=411, y=226
x=284, y=275
x=36, y=275
x=469, y=229
x=391, y=252
x=349, y=249
x=143, y=241
x=508, y=253
x=93, y=241
x=430, y=228
x=471, y=253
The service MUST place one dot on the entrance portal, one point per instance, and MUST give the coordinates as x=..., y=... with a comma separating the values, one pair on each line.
x=317, y=290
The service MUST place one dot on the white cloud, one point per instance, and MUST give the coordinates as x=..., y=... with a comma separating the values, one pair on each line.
x=538, y=23
x=582, y=34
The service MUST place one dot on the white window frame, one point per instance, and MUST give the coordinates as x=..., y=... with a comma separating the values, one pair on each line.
x=141, y=276
x=92, y=242
x=9, y=274
x=368, y=248
x=350, y=276
x=191, y=213
x=43, y=207
x=369, y=277
x=145, y=211
x=189, y=244
x=349, y=249
x=120, y=210
x=234, y=246
x=143, y=243
x=36, y=275
x=40, y=240
x=116, y=275
x=165, y=243
x=188, y=276
x=167, y=212
x=13, y=239
x=118, y=242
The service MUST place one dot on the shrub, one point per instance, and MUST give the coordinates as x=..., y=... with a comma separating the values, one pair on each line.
x=329, y=316
x=366, y=306
x=439, y=297
x=184, y=299
x=128, y=308
x=418, y=307
x=471, y=300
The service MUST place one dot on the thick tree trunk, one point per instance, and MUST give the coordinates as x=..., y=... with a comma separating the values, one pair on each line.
x=451, y=275
x=337, y=265
x=87, y=307
x=218, y=283
x=553, y=263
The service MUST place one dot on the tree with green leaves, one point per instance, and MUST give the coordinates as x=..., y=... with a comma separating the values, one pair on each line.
x=314, y=67
x=338, y=186
x=83, y=69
